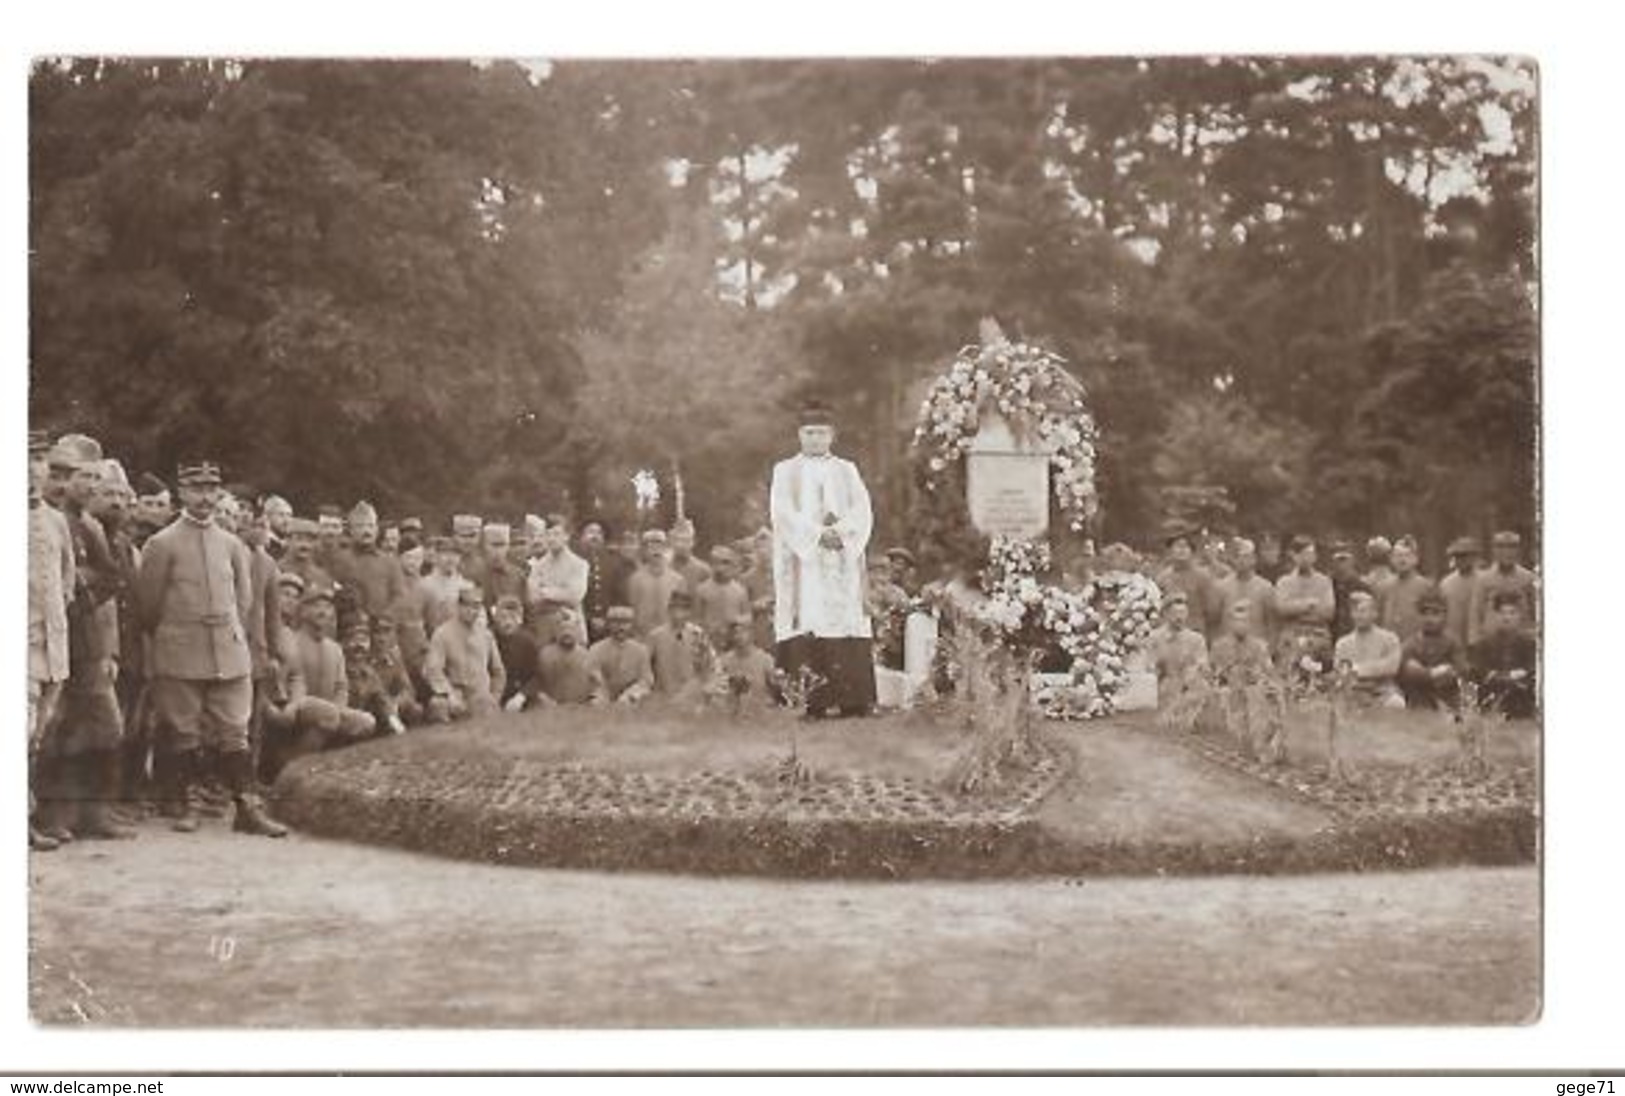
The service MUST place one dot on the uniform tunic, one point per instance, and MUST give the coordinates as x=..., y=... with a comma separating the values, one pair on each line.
x=622, y=668
x=465, y=662
x=752, y=665
x=1304, y=605
x=519, y=659
x=1397, y=604
x=1457, y=589
x=1374, y=655
x=1495, y=659
x=649, y=592
x=1258, y=593
x=314, y=575
x=1422, y=653
x=375, y=577
x=195, y=592
x=1493, y=581
x=679, y=656
x=694, y=571
x=567, y=676
x=1200, y=592
x=51, y=579
x=1176, y=654
x=440, y=598
x=555, y=584
x=717, y=605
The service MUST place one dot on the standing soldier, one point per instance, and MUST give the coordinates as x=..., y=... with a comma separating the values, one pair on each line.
x=51, y=580
x=114, y=508
x=279, y=518
x=596, y=604
x=683, y=560
x=264, y=624
x=300, y=556
x=153, y=510
x=1379, y=554
x=86, y=743
x=1399, y=599
x=1304, y=605
x=1504, y=576
x=1182, y=574
x=195, y=593
x=1457, y=588
x=557, y=584
x=1246, y=586
x=465, y=535
x=1346, y=582
x=500, y=576
x=373, y=574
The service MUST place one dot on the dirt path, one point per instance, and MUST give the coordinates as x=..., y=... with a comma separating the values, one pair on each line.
x=215, y=930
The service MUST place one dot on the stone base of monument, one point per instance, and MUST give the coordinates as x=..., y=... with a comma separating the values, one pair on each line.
x=1140, y=695
x=856, y=798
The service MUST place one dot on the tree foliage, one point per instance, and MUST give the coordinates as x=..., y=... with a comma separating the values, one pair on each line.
x=1304, y=280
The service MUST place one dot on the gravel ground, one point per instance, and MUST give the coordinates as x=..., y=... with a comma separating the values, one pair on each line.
x=217, y=930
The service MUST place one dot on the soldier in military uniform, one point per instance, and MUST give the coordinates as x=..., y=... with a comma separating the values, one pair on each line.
x=51, y=580
x=85, y=745
x=195, y=593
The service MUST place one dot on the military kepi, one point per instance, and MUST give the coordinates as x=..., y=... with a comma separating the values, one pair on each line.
x=201, y=473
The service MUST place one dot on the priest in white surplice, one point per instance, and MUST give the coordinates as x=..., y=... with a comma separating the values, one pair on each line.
x=821, y=526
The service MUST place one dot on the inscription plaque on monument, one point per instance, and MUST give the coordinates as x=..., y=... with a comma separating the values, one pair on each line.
x=1006, y=484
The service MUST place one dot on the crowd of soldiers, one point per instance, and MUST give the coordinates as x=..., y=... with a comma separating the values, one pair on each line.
x=184, y=648
x=1400, y=639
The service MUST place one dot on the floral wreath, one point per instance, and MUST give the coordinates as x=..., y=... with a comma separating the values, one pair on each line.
x=1042, y=402
x=1098, y=627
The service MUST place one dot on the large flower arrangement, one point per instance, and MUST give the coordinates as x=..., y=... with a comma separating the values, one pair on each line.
x=1040, y=400
x=1097, y=627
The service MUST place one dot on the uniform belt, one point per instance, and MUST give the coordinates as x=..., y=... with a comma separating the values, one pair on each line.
x=202, y=618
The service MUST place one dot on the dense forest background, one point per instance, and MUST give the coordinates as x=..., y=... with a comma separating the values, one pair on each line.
x=1301, y=292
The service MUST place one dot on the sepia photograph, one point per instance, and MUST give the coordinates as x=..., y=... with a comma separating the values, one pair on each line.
x=871, y=542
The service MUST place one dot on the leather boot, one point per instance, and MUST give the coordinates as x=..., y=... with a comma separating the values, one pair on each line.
x=102, y=773
x=39, y=842
x=182, y=774
x=249, y=815
x=58, y=803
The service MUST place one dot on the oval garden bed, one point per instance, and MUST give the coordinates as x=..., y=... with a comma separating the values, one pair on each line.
x=869, y=798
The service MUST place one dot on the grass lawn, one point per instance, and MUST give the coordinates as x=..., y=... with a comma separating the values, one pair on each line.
x=659, y=740
x=1377, y=738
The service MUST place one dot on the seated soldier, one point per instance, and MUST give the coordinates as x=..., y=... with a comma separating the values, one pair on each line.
x=1239, y=657
x=564, y=671
x=1503, y=662
x=368, y=692
x=744, y=670
x=390, y=662
x=519, y=652
x=679, y=651
x=620, y=663
x=310, y=704
x=1371, y=654
x=1178, y=651
x=463, y=667
x=1431, y=662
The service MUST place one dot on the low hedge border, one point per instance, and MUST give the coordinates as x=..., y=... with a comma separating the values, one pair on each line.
x=755, y=825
